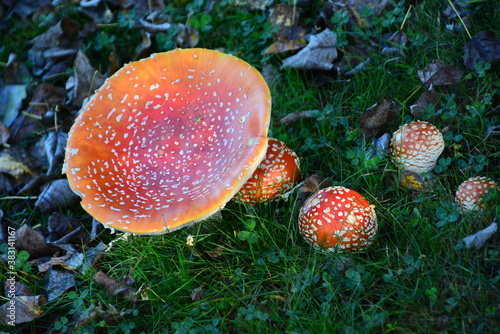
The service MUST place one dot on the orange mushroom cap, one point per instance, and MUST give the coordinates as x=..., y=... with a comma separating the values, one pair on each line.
x=276, y=174
x=416, y=146
x=338, y=219
x=168, y=140
x=470, y=192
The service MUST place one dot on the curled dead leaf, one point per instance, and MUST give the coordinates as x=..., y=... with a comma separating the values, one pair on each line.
x=114, y=287
x=482, y=48
x=33, y=242
x=375, y=120
x=27, y=308
x=318, y=54
x=479, y=239
x=439, y=73
x=56, y=195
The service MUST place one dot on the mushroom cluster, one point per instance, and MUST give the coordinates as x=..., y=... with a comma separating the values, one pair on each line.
x=338, y=219
x=276, y=174
x=470, y=193
x=416, y=146
x=168, y=140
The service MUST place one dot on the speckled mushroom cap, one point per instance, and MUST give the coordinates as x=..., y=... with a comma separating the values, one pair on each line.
x=338, y=219
x=470, y=192
x=416, y=146
x=168, y=140
x=276, y=174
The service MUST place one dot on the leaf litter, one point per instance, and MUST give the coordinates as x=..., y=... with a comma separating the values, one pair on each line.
x=64, y=247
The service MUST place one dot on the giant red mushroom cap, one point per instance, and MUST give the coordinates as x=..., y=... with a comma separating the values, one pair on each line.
x=276, y=174
x=338, y=219
x=416, y=146
x=168, y=140
x=470, y=193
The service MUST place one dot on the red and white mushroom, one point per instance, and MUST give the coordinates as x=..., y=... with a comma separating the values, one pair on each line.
x=416, y=146
x=470, y=193
x=276, y=174
x=338, y=219
x=169, y=140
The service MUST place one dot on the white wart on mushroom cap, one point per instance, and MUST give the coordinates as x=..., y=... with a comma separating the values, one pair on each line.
x=416, y=146
x=276, y=174
x=470, y=193
x=168, y=140
x=338, y=219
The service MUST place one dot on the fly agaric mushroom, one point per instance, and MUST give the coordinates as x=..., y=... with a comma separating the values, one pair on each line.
x=338, y=219
x=276, y=174
x=168, y=140
x=416, y=146
x=470, y=193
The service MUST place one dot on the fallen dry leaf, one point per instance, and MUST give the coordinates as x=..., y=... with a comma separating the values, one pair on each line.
x=482, y=48
x=86, y=80
x=55, y=196
x=428, y=97
x=27, y=308
x=252, y=4
x=297, y=116
x=379, y=147
x=33, y=242
x=14, y=165
x=478, y=239
x=114, y=287
x=17, y=288
x=288, y=39
x=439, y=73
x=56, y=282
x=54, y=145
x=319, y=53
x=375, y=120
x=284, y=15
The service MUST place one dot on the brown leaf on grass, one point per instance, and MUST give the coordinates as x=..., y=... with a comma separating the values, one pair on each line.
x=393, y=43
x=311, y=184
x=54, y=145
x=284, y=15
x=252, y=4
x=439, y=73
x=13, y=164
x=215, y=253
x=197, y=294
x=375, y=120
x=33, y=242
x=94, y=314
x=414, y=181
x=288, y=39
x=57, y=282
x=297, y=116
x=428, y=97
x=319, y=53
x=114, y=287
x=86, y=80
x=55, y=196
x=483, y=48
x=16, y=72
x=16, y=288
x=53, y=46
x=27, y=308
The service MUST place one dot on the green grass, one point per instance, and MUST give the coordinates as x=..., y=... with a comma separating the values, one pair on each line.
x=255, y=272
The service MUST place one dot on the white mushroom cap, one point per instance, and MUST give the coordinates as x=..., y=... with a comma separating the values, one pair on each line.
x=470, y=193
x=416, y=146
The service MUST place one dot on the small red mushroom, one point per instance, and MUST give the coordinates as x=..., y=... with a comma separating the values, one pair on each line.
x=416, y=146
x=338, y=219
x=276, y=174
x=470, y=193
x=168, y=140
